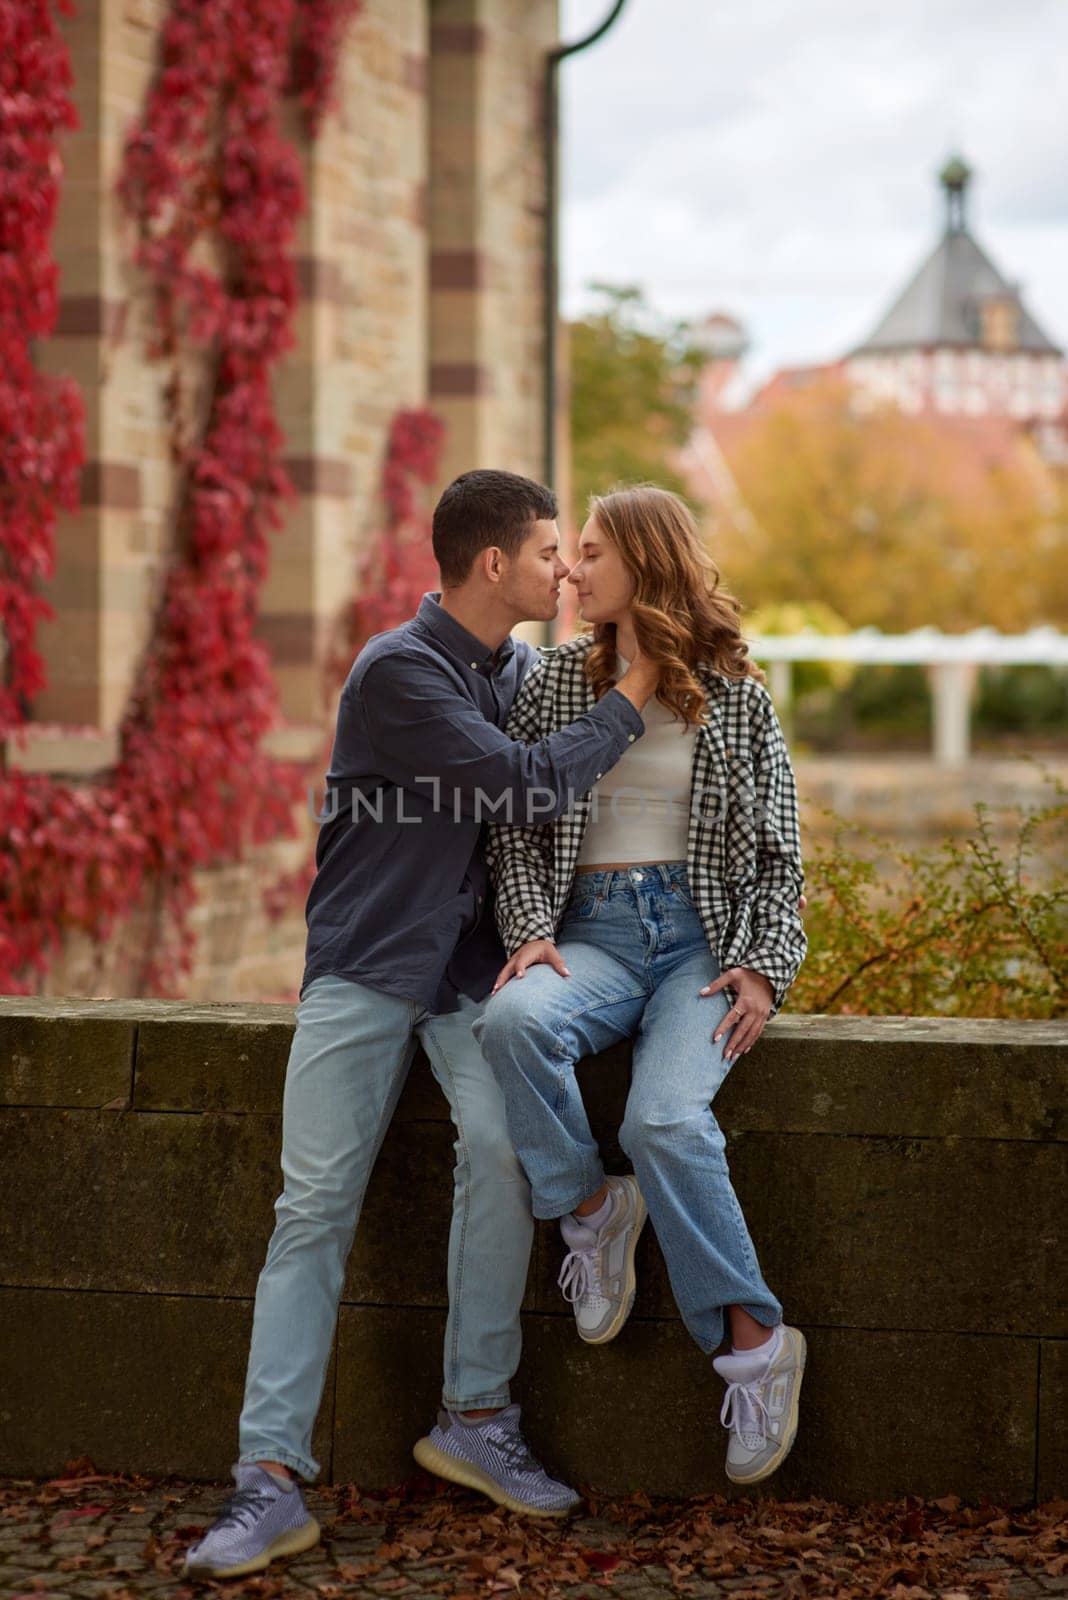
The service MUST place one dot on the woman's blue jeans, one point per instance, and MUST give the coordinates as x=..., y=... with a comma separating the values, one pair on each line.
x=638, y=955
x=350, y=1057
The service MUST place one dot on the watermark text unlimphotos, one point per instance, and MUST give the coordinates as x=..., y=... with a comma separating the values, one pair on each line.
x=388, y=803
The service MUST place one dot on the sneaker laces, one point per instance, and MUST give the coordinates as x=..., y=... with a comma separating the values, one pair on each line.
x=517, y=1454
x=244, y=1504
x=744, y=1410
x=580, y=1274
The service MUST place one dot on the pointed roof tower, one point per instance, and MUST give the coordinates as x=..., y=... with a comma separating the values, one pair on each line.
x=958, y=297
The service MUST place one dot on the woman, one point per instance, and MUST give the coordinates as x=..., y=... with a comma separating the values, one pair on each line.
x=664, y=908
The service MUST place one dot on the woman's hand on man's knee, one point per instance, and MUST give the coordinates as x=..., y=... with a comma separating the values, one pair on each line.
x=535, y=952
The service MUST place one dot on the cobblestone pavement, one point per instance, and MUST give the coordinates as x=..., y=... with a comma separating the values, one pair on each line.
x=110, y=1538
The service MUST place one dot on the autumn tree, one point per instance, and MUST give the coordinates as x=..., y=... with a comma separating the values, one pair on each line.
x=633, y=383
x=896, y=521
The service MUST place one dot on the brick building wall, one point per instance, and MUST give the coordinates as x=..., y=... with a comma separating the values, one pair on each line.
x=420, y=261
x=111, y=554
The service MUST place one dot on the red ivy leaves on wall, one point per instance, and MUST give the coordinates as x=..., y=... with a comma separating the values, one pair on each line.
x=193, y=785
x=399, y=566
x=41, y=420
x=319, y=29
x=192, y=740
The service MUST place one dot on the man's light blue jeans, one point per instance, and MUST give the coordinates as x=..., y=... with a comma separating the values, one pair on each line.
x=350, y=1057
x=637, y=954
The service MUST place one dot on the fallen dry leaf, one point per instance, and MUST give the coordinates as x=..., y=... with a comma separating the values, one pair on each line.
x=600, y=1560
x=772, y=1550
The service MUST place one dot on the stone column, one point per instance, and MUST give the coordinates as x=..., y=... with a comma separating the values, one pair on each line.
x=109, y=554
x=361, y=354
x=781, y=689
x=952, y=683
x=487, y=212
x=361, y=350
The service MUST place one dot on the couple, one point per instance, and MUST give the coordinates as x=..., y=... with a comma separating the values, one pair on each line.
x=643, y=854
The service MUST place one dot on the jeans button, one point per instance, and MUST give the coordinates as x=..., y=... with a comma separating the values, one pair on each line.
x=637, y=877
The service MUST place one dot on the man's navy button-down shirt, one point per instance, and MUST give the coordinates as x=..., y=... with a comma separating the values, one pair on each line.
x=401, y=899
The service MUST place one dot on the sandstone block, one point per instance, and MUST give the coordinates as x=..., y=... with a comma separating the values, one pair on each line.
x=1052, y=1416
x=63, y=1054
x=152, y=1383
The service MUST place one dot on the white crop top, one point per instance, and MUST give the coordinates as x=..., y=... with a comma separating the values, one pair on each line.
x=640, y=811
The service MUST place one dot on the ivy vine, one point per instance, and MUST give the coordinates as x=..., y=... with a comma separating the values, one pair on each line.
x=205, y=160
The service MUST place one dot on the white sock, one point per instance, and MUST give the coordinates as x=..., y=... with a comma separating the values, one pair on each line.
x=762, y=1352
x=596, y=1219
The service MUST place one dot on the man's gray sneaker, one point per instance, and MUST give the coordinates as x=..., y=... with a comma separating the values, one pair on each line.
x=761, y=1413
x=492, y=1456
x=597, y=1276
x=260, y=1520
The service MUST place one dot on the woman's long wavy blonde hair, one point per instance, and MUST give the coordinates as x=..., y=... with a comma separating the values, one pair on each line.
x=682, y=616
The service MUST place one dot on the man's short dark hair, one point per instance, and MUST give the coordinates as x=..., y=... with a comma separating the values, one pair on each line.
x=485, y=508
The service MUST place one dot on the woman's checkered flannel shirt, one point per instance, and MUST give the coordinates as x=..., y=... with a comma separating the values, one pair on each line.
x=743, y=850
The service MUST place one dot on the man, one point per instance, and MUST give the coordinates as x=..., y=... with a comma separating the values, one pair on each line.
x=402, y=950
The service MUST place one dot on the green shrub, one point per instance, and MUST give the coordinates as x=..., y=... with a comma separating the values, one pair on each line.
x=896, y=698
x=1022, y=699
x=974, y=927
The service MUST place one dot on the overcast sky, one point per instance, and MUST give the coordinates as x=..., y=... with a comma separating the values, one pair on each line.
x=776, y=158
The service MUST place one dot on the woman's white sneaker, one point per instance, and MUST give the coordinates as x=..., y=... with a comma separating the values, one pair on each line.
x=761, y=1410
x=597, y=1276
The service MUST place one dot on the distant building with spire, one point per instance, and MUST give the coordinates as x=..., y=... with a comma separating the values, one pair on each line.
x=723, y=342
x=958, y=339
x=957, y=344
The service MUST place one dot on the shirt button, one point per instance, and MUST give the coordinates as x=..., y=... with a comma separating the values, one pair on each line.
x=600, y=775
x=474, y=666
x=630, y=738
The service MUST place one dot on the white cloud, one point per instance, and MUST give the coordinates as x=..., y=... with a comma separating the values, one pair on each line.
x=777, y=159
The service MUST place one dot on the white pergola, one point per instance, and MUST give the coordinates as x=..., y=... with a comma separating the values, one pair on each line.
x=954, y=658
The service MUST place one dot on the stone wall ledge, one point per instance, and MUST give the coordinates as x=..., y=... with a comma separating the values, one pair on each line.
x=903, y=1178
x=907, y=1077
